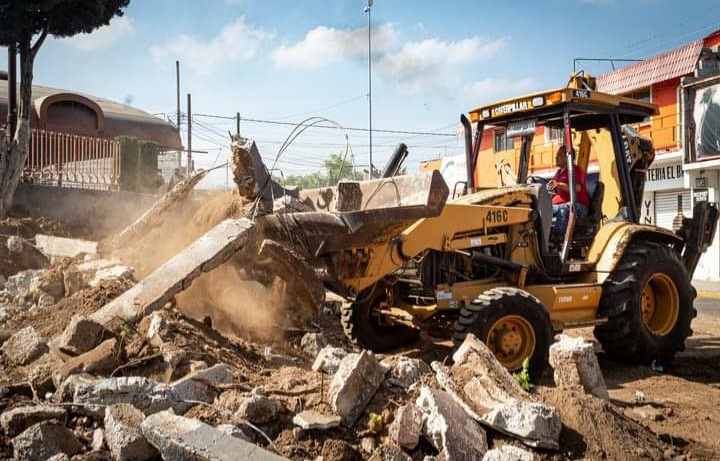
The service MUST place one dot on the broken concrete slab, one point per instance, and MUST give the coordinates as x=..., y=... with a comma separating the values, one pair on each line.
x=389, y=453
x=484, y=382
x=355, y=382
x=313, y=420
x=43, y=440
x=101, y=360
x=199, y=387
x=123, y=435
x=448, y=428
x=24, y=346
x=50, y=283
x=110, y=273
x=21, y=283
x=203, y=255
x=143, y=393
x=255, y=407
x=648, y=412
x=158, y=212
x=184, y=439
x=81, y=335
x=405, y=371
x=406, y=428
x=63, y=246
x=576, y=366
x=508, y=453
x=18, y=419
x=312, y=343
x=328, y=359
x=536, y=424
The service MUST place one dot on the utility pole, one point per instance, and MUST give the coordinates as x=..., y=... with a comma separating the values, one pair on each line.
x=12, y=91
x=237, y=124
x=367, y=10
x=177, y=112
x=189, y=135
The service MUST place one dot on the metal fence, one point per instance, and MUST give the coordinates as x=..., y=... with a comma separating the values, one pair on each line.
x=68, y=160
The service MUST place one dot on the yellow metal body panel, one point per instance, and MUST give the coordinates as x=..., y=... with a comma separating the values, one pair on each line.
x=571, y=303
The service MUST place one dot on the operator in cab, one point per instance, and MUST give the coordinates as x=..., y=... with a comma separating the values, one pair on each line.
x=559, y=184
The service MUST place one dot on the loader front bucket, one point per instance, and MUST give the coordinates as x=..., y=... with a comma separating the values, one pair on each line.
x=355, y=214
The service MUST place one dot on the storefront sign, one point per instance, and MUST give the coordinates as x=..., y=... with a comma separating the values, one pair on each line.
x=700, y=195
x=701, y=183
x=664, y=177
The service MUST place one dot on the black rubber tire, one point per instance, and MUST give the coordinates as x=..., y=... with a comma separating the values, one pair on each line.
x=479, y=316
x=364, y=331
x=625, y=337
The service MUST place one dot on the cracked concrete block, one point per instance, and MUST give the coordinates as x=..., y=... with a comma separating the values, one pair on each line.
x=81, y=335
x=311, y=419
x=407, y=426
x=43, y=440
x=508, y=453
x=199, y=386
x=63, y=246
x=311, y=343
x=328, y=359
x=18, y=419
x=101, y=360
x=389, y=453
x=355, y=382
x=185, y=439
x=24, y=346
x=123, y=435
x=143, y=393
x=449, y=428
x=406, y=371
x=536, y=424
x=576, y=366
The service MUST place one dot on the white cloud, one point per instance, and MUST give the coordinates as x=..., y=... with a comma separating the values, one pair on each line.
x=493, y=89
x=119, y=28
x=435, y=63
x=415, y=66
x=326, y=45
x=238, y=41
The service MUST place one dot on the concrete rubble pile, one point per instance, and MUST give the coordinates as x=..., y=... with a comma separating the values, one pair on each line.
x=133, y=378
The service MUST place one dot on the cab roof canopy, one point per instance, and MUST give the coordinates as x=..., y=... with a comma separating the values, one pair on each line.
x=588, y=109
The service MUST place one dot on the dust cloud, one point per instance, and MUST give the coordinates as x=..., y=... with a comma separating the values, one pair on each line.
x=237, y=306
x=181, y=228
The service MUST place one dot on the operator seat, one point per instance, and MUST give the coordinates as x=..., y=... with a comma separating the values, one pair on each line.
x=587, y=226
x=543, y=205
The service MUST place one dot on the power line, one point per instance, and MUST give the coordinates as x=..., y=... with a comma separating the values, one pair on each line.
x=342, y=103
x=271, y=122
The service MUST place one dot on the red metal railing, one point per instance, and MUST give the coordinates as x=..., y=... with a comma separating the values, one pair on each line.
x=68, y=160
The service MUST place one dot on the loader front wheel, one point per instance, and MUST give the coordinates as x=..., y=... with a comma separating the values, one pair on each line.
x=513, y=324
x=648, y=300
x=364, y=326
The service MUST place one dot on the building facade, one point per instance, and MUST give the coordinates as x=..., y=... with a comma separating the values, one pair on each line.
x=685, y=84
x=75, y=136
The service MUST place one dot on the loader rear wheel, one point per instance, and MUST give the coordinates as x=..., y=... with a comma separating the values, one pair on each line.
x=363, y=326
x=649, y=303
x=513, y=324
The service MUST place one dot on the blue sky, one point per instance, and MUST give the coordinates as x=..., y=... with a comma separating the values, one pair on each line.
x=282, y=60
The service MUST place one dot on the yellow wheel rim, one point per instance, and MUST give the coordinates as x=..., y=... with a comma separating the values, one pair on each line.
x=660, y=304
x=512, y=340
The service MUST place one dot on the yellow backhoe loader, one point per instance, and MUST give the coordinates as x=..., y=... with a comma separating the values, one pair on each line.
x=407, y=255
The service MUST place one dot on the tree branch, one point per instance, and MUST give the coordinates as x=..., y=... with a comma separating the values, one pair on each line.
x=36, y=47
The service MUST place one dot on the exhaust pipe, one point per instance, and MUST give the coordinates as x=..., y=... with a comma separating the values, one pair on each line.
x=469, y=154
x=396, y=160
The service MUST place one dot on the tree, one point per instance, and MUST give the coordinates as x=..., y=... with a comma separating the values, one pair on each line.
x=21, y=22
x=335, y=169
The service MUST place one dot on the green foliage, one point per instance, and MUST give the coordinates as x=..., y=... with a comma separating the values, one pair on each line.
x=335, y=169
x=523, y=376
x=20, y=20
x=375, y=423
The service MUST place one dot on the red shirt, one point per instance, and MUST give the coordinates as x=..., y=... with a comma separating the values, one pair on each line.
x=563, y=196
